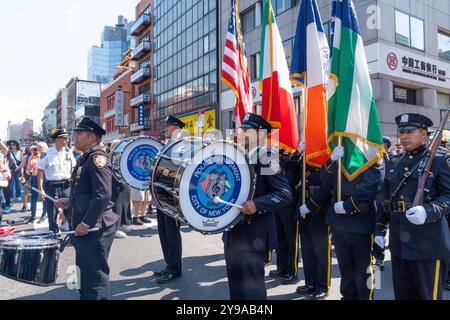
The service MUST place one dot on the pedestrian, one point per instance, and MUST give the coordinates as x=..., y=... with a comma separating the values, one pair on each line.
x=315, y=241
x=140, y=200
x=91, y=207
x=419, y=236
x=56, y=168
x=168, y=227
x=5, y=176
x=122, y=202
x=352, y=221
x=9, y=162
x=15, y=165
x=247, y=243
x=25, y=176
x=31, y=168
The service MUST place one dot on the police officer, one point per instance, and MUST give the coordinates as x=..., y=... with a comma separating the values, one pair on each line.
x=314, y=234
x=168, y=227
x=54, y=174
x=91, y=207
x=247, y=243
x=287, y=227
x=352, y=221
x=419, y=237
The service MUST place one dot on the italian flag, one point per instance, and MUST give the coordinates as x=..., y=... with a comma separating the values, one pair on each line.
x=352, y=110
x=277, y=99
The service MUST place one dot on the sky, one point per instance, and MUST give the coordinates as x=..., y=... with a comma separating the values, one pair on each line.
x=44, y=44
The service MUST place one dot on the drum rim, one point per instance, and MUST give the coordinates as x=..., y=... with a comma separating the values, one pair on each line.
x=120, y=178
x=181, y=170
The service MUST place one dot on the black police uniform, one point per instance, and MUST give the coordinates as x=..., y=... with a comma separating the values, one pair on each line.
x=352, y=233
x=287, y=227
x=420, y=253
x=315, y=235
x=169, y=234
x=90, y=204
x=247, y=243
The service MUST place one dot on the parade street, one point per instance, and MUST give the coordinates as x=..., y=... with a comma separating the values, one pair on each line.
x=134, y=259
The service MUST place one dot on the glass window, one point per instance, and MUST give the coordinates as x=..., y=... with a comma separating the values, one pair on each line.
x=206, y=44
x=287, y=45
x=404, y=95
x=444, y=45
x=248, y=20
x=409, y=31
x=254, y=66
x=282, y=5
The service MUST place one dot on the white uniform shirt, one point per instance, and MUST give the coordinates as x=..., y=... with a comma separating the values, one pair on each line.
x=57, y=165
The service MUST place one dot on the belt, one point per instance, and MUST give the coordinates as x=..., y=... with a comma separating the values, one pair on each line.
x=57, y=182
x=400, y=206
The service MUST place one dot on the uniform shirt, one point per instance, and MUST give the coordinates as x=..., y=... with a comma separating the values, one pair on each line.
x=57, y=165
x=431, y=240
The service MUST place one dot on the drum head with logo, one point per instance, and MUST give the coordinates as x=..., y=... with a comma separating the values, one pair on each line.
x=220, y=169
x=135, y=161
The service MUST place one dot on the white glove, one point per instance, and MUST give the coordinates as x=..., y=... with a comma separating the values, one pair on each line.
x=338, y=152
x=302, y=146
x=339, y=207
x=380, y=241
x=416, y=215
x=304, y=210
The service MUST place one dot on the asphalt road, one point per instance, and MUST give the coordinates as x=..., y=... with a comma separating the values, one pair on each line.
x=133, y=260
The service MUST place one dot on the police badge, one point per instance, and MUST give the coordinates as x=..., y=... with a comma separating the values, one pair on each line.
x=99, y=161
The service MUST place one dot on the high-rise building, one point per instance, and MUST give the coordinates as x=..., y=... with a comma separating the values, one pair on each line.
x=177, y=42
x=49, y=118
x=104, y=59
x=14, y=131
x=61, y=108
x=407, y=47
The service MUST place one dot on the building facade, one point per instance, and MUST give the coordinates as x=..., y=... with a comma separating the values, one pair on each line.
x=103, y=60
x=407, y=46
x=116, y=115
x=49, y=118
x=14, y=131
x=142, y=77
x=61, y=108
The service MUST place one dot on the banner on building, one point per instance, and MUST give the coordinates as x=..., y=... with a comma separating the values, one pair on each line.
x=192, y=121
x=141, y=116
x=118, y=102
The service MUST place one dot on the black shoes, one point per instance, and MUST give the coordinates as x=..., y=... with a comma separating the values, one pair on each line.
x=276, y=273
x=305, y=290
x=447, y=285
x=41, y=220
x=30, y=221
x=319, y=295
x=169, y=276
x=160, y=273
x=136, y=221
x=145, y=219
x=289, y=279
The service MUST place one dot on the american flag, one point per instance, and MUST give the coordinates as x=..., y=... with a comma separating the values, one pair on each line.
x=235, y=72
x=204, y=184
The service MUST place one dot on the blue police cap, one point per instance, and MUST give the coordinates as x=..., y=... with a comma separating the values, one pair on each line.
x=254, y=121
x=89, y=125
x=59, y=133
x=171, y=120
x=411, y=121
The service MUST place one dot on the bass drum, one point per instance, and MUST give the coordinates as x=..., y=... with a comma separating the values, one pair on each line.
x=131, y=161
x=189, y=173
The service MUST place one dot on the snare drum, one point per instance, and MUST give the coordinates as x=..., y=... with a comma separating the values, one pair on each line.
x=30, y=260
x=131, y=161
x=189, y=173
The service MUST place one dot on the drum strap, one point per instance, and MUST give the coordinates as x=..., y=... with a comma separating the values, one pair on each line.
x=64, y=243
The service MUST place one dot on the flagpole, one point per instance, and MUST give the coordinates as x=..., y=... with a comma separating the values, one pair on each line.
x=305, y=100
x=339, y=174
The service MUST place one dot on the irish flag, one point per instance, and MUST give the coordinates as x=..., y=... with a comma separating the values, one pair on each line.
x=352, y=112
x=309, y=69
x=277, y=98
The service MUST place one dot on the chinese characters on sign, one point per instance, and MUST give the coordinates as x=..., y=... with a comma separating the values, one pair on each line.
x=423, y=68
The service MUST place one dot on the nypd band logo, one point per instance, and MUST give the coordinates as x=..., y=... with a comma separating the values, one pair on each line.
x=216, y=176
x=139, y=161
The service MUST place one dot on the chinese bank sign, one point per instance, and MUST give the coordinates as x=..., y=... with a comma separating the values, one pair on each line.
x=408, y=64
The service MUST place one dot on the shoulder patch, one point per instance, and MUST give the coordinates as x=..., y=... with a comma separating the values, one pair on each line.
x=448, y=162
x=99, y=160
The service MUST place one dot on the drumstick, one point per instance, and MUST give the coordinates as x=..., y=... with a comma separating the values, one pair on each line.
x=218, y=200
x=46, y=196
x=73, y=232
